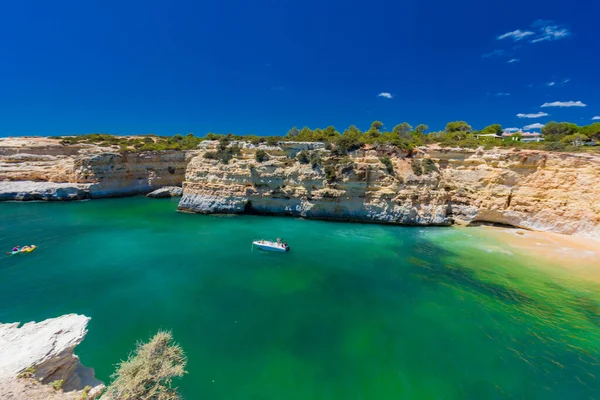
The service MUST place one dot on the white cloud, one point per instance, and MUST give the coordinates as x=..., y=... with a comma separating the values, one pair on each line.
x=536, y=115
x=564, y=104
x=596, y=118
x=385, y=94
x=502, y=94
x=566, y=80
x=549, y=32
x=511, y=129
x=515, y=35
x=494, y=53
x=537, y=125
x=551, y=83
x=541, y=31
x=513, y=60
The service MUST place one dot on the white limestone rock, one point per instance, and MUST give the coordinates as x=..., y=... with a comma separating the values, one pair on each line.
x=48, y=191
x=167, y=191
x=47, y=347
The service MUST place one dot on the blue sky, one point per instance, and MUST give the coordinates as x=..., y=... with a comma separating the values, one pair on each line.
x=261, y=67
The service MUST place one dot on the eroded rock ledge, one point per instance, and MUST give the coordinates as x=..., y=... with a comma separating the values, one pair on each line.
x=34, y=168
x=45, y=349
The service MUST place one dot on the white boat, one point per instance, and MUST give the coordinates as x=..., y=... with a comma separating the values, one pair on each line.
x=268, y=245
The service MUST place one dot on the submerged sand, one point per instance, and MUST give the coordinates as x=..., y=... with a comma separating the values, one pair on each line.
x=580, y=256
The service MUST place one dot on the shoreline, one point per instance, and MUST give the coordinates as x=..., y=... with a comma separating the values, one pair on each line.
x=560, y=253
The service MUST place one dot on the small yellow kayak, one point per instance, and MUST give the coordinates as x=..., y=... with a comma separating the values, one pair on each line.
x=24, y=249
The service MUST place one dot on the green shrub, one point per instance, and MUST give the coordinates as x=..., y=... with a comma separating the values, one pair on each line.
x=255, y=140
x=223, y=154
x=211, y=155
x=555, y=146
x=273, y=140
x=303, y=157
x=27, y=373
x=85, y=392
x=315, y=159
x=416, y=167
x=149, y=371
x=57, y=385
x=428, y=165
x=389, y=167
x=261, y=155
x=330, y=174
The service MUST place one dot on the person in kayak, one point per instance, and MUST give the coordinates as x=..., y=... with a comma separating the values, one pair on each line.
x=16, y=248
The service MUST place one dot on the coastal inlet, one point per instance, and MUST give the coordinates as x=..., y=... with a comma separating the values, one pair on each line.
x=354, y=311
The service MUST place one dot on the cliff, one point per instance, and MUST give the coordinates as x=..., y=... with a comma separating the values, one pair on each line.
x=37, y=354
x=45, y=169
x=534, y=190
x=537, y=190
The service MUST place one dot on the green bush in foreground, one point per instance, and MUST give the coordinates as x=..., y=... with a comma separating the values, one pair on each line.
x=57, y=385
x=27, y=373
x=149, y=371
x=85, y=392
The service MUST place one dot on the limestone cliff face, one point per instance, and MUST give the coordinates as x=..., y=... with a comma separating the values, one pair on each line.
x=115, y=174
x=44, y=169
x=529, y=189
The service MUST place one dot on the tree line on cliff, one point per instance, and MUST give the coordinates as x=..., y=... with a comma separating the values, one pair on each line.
x=559, y=136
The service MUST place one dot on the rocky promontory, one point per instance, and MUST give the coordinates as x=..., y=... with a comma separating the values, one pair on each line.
x=47, y=169
x=37, y=358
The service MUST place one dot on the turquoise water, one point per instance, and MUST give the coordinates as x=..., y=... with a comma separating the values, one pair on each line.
x=354, y=311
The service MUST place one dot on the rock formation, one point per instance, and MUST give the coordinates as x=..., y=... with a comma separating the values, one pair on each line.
x=53, y=171
x=44, y=350
x=30, y=190
x=167, y=191
x=536, y=190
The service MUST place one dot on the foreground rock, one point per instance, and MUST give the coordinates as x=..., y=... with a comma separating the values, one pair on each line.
x=48, y=191
x=45, y=348
x=536, y=190
x=167, y=191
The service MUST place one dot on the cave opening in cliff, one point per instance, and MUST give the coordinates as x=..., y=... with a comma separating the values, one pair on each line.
x=249, y=209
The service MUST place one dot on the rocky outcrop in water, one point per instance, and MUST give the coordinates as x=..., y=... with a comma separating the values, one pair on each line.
x=165, y=192
x=37, y=354
x=536, y=190
x=47, y=191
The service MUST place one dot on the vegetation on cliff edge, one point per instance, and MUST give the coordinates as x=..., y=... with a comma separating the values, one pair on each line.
x=149, y=371
x=559, y=136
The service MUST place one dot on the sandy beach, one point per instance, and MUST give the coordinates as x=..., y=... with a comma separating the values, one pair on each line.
x=577, y=254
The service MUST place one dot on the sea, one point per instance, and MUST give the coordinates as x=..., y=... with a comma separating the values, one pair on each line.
x=353, y=311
